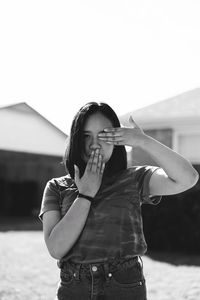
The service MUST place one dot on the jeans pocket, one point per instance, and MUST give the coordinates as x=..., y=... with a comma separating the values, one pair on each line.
x=129, y=277
x=66, y=277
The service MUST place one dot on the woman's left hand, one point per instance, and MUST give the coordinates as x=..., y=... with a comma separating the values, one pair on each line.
x=126, y=136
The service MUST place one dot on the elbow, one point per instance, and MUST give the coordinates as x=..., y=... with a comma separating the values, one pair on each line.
x=55, y=254
x=193, y=178
x=56, y=248
x=188, y=181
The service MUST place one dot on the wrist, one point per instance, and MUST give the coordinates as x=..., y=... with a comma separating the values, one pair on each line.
x=89, y=198
x=87, y=193
x=142, y=141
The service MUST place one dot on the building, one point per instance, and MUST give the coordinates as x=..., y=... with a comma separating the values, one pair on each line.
x=31, y=152
x=173, y=225
x=174, y=122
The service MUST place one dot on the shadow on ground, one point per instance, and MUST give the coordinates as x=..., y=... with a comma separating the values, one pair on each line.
x=20, y=224
x=176, y=259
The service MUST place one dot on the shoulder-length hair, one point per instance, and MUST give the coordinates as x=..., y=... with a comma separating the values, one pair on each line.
x=75, y=146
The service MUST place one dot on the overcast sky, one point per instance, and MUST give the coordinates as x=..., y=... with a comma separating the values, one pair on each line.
x=58, y=55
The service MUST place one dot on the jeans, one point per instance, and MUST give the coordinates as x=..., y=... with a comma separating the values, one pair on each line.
x=116, y=280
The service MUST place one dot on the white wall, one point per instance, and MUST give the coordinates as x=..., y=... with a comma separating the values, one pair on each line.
x=186, y=135
x=187, y=142
x=26, y=131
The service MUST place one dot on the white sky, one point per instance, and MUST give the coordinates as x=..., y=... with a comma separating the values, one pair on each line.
x=58, y=55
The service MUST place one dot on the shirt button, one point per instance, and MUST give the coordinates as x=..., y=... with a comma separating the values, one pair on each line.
x=94, y=268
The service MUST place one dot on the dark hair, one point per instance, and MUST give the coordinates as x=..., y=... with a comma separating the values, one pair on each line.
x=118, y=160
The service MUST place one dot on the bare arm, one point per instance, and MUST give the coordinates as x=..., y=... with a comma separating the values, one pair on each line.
x=61, y=234
x=175, y=175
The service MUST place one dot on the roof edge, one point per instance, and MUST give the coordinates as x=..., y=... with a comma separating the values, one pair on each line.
x=25, y=103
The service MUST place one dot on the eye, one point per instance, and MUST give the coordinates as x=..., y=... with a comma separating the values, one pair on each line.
x=86, y=136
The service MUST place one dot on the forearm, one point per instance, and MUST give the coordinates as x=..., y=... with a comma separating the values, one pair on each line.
x=175, y=166
x=67, y=230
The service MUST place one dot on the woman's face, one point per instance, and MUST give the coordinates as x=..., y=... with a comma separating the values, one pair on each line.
x=93, y=126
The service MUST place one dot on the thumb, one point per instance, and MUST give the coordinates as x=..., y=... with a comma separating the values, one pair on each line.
x=132, y=122
x=76, y=173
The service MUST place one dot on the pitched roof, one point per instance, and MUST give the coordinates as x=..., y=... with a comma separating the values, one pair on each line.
x=23, y=129
x=186, y=105
x=24, y=107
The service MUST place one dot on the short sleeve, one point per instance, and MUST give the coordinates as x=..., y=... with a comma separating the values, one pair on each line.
x=143, y=177
x=51, y=198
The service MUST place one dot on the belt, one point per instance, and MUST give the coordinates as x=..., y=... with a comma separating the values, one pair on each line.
x=111, y=265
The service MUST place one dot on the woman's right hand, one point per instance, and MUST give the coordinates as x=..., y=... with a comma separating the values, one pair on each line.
x=90, y=182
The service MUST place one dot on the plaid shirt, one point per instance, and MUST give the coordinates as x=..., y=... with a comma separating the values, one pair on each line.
x=113, y=228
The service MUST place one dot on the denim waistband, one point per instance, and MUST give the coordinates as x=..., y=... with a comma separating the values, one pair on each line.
x=110, y=265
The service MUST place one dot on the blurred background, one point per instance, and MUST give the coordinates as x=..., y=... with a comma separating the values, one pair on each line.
x=141, y=57
x=33, y=155
x=173, y=225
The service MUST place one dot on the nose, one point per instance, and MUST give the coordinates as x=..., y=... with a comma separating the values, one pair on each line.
x=95, y=144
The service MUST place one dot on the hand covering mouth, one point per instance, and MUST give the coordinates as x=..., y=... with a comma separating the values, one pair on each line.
x=88, y=155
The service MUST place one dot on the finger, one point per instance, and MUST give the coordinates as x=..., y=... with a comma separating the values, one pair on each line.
x=95, y=161
x=112, y=129
x=116, y=143
x=132, y=122
x=111, y=134
x=99, y=164
x=90, y=161
x=112, y=139
x=102, y=168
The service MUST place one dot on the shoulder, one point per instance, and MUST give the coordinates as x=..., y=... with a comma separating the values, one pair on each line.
x=61, y=183
x=138, y=174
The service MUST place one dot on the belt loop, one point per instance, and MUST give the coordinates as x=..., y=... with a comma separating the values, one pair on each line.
x=77, y=272
x=140, y=258
x=108, y=274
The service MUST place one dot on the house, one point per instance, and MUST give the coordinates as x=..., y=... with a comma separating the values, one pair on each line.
x=31, y=152
x=174, y=122
x=172, y=225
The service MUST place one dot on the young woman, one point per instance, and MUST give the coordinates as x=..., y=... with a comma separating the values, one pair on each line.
x=92, y=217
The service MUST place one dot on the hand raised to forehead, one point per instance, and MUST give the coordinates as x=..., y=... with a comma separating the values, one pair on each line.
x=122, y=136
